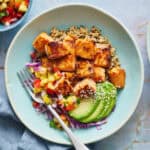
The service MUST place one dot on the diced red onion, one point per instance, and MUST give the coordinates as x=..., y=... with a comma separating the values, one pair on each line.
x=60, y=97
x=77, y=124
x=42, y=108
x=54, y=105
x=33, y=64
x=49, y=115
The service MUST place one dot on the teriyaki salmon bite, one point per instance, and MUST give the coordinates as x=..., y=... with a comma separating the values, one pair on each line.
x=78, y=72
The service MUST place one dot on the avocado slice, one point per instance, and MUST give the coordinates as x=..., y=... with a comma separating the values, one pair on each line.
x=84, y=109
x=110, y=101
x=106, y=95
x=98, y=111
x=109, y=110
x=100, y=115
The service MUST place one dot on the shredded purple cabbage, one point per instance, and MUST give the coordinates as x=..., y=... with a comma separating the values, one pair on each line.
x=49, y=115
x=73, y=123
x=76, y=124
x=42, y=108
x=33, y=64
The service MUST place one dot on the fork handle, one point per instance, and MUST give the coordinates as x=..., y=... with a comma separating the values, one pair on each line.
x=77, y=144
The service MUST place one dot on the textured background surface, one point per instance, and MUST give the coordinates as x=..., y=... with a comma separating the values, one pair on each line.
x=135, y=14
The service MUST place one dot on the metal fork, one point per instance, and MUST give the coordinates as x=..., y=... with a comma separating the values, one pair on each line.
x=26, y=79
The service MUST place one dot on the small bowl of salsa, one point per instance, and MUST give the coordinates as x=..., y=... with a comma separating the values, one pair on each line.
x=12, y=13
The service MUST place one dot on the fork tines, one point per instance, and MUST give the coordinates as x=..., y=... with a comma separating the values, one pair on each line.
x=26, y=80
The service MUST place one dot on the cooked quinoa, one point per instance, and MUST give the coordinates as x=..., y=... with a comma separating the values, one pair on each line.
x=93, y=34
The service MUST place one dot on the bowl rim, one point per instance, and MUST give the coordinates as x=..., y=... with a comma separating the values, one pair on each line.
x=15, y=24
x=123, y=122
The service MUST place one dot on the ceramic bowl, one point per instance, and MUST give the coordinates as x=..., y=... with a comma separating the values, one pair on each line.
x=63, y=17
x=17, y=23
x=148, y=40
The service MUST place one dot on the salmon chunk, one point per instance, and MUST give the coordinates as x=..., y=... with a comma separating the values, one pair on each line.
x=103, y=58
x=117, y=76
x=84, y=69
x=69, y=44
x=85, y=49
x=99, y=74
x=40, y=41
x=67, y=63
x=55, y=50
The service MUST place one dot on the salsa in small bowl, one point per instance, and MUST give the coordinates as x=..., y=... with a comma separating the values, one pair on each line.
x=12, y=13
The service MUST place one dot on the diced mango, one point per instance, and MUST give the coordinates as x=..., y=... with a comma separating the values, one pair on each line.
x=37, y=75
x=50, y=86
x=51, y=78
x=23, y=8
x=31, y=70
x=57, y=76
x=37, y=90
x=71, y=99
x=47, y=100
x=43, y=71
x=3, y=6
x=44, y=82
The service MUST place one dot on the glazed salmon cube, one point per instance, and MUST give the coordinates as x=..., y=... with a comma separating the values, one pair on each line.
x=67, y=63
x=117, y=76
x=103, y=58
x=55, y=50
x=40, y=41
x=85, y=49
x=84, y=68
x=69, y=43
x=99, y=74
x=46, y=62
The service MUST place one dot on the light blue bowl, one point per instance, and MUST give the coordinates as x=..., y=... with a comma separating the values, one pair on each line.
x=15, y=24
x=77, y=14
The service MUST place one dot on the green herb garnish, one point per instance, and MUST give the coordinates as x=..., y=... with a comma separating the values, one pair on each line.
x=3, y=14
x=52, y=124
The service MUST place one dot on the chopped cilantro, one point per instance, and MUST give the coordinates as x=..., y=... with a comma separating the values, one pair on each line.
x=52, y=124
x=78, y=100
x=3, y=14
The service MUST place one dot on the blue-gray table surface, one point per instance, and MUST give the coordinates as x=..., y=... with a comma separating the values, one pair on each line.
x=135, y=135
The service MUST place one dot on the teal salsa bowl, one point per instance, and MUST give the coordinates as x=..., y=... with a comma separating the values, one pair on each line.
x=17, y=23
x=62, y=17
